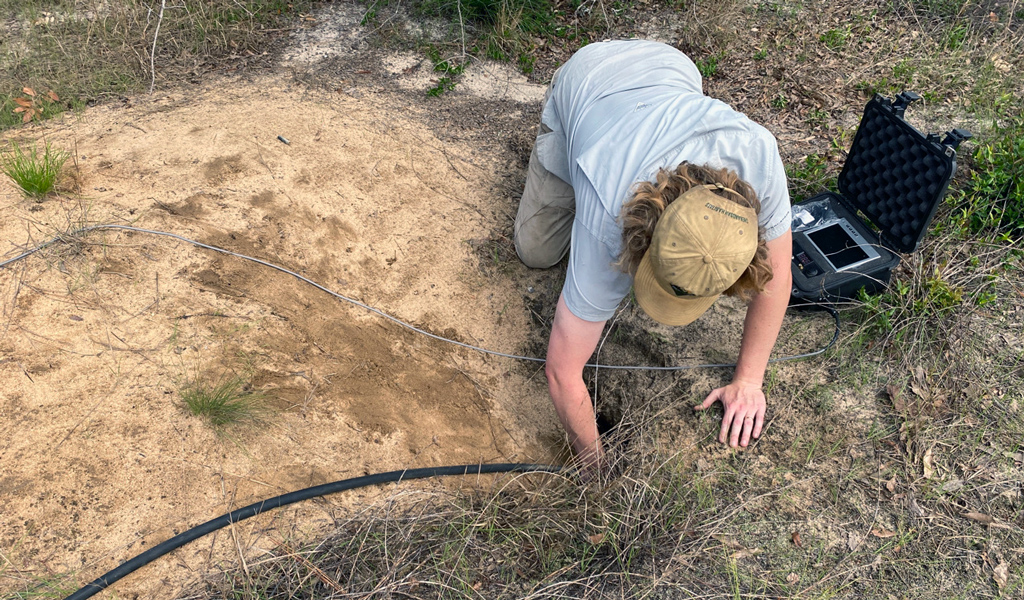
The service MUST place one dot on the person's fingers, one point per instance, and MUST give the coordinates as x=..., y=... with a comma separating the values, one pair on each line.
x=758, y=423
x=723, y=434
x=737, y=428
x=748, y=426
x=712, y=397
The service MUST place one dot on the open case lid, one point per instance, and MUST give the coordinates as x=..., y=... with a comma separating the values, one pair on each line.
x=896, y=176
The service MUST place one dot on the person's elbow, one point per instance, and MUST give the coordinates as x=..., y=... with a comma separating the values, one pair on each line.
x=558, y=373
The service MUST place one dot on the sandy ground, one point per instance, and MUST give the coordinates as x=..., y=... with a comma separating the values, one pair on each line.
x=99, y=460
x=372, y=196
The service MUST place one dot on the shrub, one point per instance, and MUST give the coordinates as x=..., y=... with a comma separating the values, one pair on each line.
x=996, y=193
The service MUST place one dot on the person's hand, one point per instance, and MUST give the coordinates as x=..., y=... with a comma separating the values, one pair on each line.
x=744, y=405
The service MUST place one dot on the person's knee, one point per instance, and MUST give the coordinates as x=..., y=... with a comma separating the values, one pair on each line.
x=537, y=257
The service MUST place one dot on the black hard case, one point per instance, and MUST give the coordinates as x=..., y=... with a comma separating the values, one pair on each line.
x=889, y=188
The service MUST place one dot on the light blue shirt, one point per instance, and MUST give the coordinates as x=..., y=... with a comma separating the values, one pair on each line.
x=620, y=111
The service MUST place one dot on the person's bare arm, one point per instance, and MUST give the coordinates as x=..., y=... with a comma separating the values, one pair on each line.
x=573, y=341
x=743, y=399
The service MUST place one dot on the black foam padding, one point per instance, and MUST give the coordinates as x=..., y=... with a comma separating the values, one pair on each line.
x=895, y=176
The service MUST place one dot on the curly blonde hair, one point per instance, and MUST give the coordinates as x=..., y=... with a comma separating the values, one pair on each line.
x=641, y=213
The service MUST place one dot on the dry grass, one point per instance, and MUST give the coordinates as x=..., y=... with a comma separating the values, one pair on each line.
x=94, y=50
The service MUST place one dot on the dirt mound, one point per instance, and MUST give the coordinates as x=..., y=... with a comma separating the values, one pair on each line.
x=99, y=458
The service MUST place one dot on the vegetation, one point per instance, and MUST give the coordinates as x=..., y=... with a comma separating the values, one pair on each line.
x=93, y=51
x=994, y=200
x=35, y=173
x=225, y=403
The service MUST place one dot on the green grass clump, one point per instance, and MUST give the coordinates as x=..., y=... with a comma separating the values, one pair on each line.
x=36, y=174
x=708, y=66
x=226, y=403
x=944, y=9
x=835, y=39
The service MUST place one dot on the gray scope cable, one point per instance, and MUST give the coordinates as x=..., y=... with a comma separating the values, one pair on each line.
x=396, y=320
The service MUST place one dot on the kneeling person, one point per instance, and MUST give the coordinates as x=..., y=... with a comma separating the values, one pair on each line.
x=649, y=184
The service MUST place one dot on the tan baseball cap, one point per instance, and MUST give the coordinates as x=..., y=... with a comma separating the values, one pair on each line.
x=700, y=247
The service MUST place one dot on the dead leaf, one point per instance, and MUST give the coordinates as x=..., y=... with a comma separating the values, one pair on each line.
x=729, y=542
x=882, y=533
x=929, y=469
x=979, y=517
x=1001, y=574
x=796, y=539
x=745, y=553
x=915, y=508
x=993, y=17
x=894, y=396
x=792, y=579
x=854, y=541
x=891, y=485
x=477, y=586
x=596, y=539
x=28, y=91
x=23, y=102
x=53, y=95
x=951, y=486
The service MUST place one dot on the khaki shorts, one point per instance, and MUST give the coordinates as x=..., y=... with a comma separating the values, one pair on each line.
x=544, y=222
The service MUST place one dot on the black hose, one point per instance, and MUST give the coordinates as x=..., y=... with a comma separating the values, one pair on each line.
x=88, y=590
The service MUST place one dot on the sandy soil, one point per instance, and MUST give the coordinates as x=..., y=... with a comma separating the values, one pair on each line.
x=99, y=458
x=377, y=195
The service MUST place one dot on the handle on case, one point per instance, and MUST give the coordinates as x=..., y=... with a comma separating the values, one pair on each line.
x=905, y=99
x=953, y=138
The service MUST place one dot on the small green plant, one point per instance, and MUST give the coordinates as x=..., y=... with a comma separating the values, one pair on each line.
x=708, y=66
x=835, y=39
x=36, y=174
x=444, y=65
x=526, y=63
x=809, y=178
x=903, y=71
x=902, y=76
x=445, y=84
x=817, y=117
x=449, y=69
x=780, y=101
x=955, y=37
x=761, y=54
x=225, y=403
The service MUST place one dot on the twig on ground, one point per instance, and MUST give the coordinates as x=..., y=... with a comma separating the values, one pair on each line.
x=152, y=53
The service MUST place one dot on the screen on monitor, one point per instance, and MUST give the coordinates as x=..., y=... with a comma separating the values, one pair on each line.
x=838, y=247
